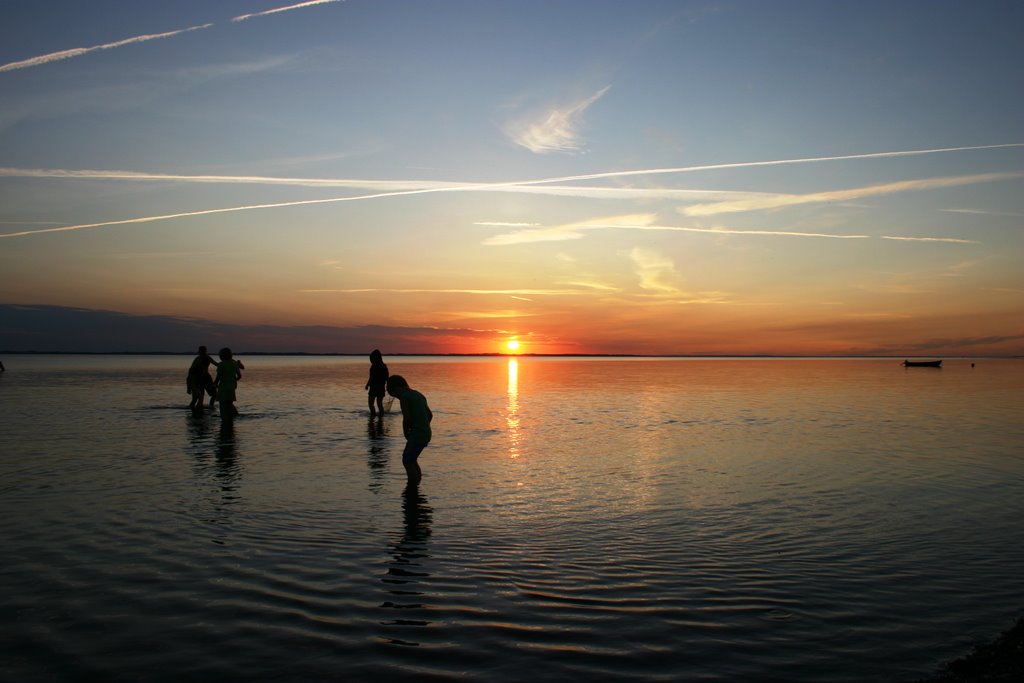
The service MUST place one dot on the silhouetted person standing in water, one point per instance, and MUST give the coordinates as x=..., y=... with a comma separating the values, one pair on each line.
x=199, y=380
x=416, y=418
x=229, y=371
x=377, y=383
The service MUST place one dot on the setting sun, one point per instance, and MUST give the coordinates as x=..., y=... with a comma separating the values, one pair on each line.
x=571, y=205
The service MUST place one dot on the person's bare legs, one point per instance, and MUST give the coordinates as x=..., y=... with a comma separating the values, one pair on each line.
x=410, y=459
x=413, y=472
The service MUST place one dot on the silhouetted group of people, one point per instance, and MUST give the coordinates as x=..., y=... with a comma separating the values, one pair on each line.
x=199, y=383
x=416, y=413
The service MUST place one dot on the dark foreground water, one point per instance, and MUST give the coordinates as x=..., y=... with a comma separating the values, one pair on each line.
x=678, y=520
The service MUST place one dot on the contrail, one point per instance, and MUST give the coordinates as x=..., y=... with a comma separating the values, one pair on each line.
x=87, y=174
x=471, y=187
x=951, y=240
x=776, y=162
x=78, y=51
x=206, y=212
x=446, y=185
x=309, y=3
x=592, y=192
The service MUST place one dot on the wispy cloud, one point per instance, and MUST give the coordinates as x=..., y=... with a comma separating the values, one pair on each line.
x=656, y=271
x=644, y=222
x=132, y=256
x=485, y=315
x=725, y=231
x=569, y=231
x=79, y=51
x=499, y=224
x=554, y=130
x=663, y=284
x=981, y=212
x=777, y=233
x=637, y=222
x=132, y=93
x=959, y=269
x=593, y=285
x=787, y=200
x=553, y=234
x=370, y=290
x=300, y=5
x=211, y=72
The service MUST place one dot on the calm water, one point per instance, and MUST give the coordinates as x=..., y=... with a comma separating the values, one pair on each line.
x=684, y=520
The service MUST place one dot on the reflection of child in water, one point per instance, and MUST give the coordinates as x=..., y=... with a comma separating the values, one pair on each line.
x=228, y=373
x=377, y=383
x=416, y=419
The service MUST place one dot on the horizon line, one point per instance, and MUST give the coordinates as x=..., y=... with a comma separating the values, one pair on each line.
x=519, y=355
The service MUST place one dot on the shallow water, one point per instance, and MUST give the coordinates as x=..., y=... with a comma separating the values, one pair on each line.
x=628, y=519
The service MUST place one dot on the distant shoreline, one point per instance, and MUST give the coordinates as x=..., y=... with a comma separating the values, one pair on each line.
x=530, y=355
x=503, y=355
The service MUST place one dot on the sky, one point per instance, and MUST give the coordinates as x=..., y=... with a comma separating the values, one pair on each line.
x=578, y=176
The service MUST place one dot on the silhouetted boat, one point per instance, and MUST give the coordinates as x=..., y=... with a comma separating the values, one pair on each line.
x=923, y=363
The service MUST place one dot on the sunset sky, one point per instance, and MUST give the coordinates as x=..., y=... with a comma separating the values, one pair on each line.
x=583, y=176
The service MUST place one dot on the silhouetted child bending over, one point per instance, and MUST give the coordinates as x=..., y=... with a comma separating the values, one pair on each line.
x=416, y=418
x=377, y=383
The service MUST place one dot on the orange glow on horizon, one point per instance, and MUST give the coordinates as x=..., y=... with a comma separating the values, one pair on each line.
x=512, y=346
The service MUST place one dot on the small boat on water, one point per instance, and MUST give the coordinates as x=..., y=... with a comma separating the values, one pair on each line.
x=922, y=363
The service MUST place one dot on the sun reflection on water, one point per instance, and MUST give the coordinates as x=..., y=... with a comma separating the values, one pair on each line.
x=512, y=409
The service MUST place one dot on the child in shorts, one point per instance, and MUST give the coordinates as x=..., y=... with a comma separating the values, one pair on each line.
x=416, y=419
